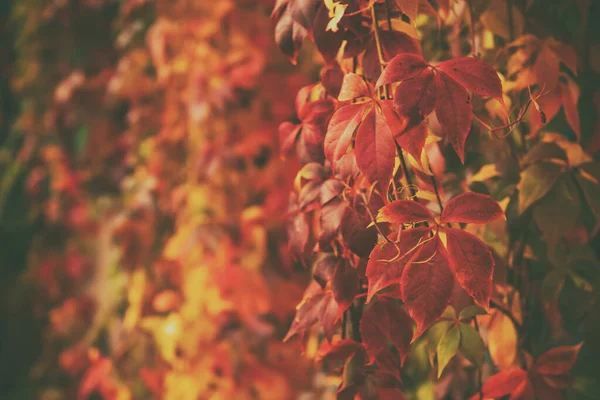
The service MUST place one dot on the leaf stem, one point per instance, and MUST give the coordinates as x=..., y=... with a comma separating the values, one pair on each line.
x=409, y=182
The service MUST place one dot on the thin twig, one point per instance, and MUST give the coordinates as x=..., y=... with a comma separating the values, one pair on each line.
x=411, y=187
x=479, y=369
x=505, y=311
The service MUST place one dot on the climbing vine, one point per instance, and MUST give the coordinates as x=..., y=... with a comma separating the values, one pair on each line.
x=448, y=201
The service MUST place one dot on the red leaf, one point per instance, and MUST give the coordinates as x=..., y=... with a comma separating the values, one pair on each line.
x=288, y=133
x=317, y=305
x=340, y=350
x=298, y=231
x=454, y=112
x=357, y=236
x=345, y=284
x=328, y=42
x=409, y=7
x=504, y=383
x=413, y=140
x=325, y=267
x=353, y=87
x=475, y=75
x=382, y=273
x=471, y=207
x=331, y=79
x=331, y=218
x=330, y=316
x=415, y=97
x=525, y=391
x=303, y=12
x=330, y=189
x=289, y=35
x=557, y=361
x=404, y=212
x=473, y=264
x=396, y=122
x=374, y=148
x=342, y=125
x=401, y=67
x=382, y=322
x=427, y=284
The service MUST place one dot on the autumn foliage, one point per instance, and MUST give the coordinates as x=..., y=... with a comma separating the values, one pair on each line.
x=308, y=199
x=444, y=191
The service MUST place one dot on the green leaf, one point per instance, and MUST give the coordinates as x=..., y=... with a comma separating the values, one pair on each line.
x=536, y=182
x=470, y=312
x=434, y=334
x=449, y=313
x=447, y=347
x=557, y=212
x=471, y=345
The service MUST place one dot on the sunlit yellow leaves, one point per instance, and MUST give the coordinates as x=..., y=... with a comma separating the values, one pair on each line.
x=137, y=286
x=166, y=332
x=336, y=12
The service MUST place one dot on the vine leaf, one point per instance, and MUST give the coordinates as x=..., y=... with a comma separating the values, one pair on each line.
x=447, y=347
x=374, y=148
x=415, y=97
x=382, y=273
x=402, y=67
x=413, y=141
x=317, y=305
x=340, y=350
x=557, y=361
x=504, y=382
x=454, y=112
x=393, y=43
x=410, y=8
x=473, y=264
x=471, y=207
x=353, y=87
x=471, y=345
x=345, y=284
x=385, y=321
x=475, y=75
x=404, y=212
x=427, y=284
x=536, y=182
x=342, y=126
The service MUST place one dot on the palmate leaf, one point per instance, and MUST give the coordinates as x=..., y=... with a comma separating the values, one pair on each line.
x=415, y=98
x=385, y=266
x=444, y=88
x=475, y=75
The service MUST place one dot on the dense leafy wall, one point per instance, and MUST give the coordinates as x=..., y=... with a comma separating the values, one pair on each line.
x=448, y=201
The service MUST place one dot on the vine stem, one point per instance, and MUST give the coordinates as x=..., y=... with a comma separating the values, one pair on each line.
x=480, y=369
x=386, y=93
x=472, y=18
x=386, y=88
